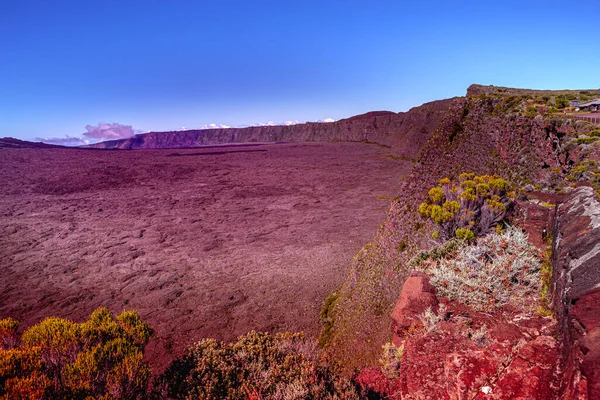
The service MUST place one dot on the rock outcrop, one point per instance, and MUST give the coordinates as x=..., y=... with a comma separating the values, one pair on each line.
x=477, y=136
x=576, y=294
x=465, y=354
x=405, y=132
x=508, y=353
x=416, y=297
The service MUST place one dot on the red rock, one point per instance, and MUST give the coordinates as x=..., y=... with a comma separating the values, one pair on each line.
x=503, y=331
x=468, y=370
x=533, y=218
x=417, y=295
x=576, y=278
x=531, y=373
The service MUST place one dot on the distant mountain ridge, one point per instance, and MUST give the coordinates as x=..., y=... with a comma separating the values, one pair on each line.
x=404, y=132
x=8, y=142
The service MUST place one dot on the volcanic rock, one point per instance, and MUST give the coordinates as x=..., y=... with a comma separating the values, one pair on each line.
x=417, y=296
x=576, y=295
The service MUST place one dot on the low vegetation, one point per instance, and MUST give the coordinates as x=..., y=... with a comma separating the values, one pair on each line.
x=58, y=359
x=391, y=360
x=257, y=366
x=430, y=319
x=473, y=206
x=500, y=268
x=102, y=358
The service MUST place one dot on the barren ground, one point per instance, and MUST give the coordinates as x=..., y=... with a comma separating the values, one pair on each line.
x=209, y=242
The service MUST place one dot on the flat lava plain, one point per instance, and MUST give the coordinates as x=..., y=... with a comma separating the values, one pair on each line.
x=203, y=242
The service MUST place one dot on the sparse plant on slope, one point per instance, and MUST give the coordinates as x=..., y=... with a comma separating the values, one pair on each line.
x=474, y=206
x=391, y=360
x=479, y=336
x=430, y=319
x=499, y=269
x=257, y=366
x=58, y=358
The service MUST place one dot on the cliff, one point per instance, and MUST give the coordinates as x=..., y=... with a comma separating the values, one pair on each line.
x=481, y=134
x=576, y=294
x=514, y=351
x=477, y=90
x=8, y=142
x=405, y=132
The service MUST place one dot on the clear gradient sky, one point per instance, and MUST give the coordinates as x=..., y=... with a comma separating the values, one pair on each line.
x=163, y=64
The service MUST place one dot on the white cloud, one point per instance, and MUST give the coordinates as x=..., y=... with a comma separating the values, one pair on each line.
x=326, y=120
x=108, y=131
x=215, y=126
x=270, y=123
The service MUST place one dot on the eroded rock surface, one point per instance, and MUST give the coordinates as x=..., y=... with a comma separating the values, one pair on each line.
x=576, y=270
x=506, y=353
x=416, y=297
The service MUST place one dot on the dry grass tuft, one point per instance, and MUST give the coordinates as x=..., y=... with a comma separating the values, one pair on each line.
x=498, y=269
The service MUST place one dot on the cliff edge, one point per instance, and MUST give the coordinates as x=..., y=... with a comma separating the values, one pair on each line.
x=405, y=133
x=576, y=294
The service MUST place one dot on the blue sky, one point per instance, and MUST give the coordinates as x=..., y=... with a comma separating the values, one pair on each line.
x=160, y=65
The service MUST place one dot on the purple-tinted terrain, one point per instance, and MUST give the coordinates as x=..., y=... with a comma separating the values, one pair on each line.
x=206, y=242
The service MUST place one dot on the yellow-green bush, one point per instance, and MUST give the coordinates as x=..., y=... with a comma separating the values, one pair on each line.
x=57, y=358
x=472, y=206
x=465, y=234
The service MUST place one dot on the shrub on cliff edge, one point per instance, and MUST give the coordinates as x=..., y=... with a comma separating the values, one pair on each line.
x=471, y=207
x=498, y=269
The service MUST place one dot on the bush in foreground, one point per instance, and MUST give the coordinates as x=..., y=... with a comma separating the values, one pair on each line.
x=258, y=366
x=61, y=359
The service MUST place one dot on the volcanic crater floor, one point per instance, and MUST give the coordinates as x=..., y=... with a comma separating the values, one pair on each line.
x=203, y=242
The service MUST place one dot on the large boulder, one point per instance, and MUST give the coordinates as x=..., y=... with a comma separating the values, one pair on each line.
x=416, y=297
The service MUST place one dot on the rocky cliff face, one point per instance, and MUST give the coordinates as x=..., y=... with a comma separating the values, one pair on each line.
x=507, y=353
x=479, y=134
x=576, y=296
x=405, y=132
x=465, y=354
x=477, y=90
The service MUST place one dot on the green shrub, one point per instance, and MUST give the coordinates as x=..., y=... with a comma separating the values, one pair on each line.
x=531, y=112
x=327, y=319
x=391, y=360
x=58, y=358
x=587, y=139
x=561, y=102
x=435, y=254
x=465, y=235
x=257, y=366
x=472, y=206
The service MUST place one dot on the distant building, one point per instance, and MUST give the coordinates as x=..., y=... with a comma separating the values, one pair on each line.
x=592, y=105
